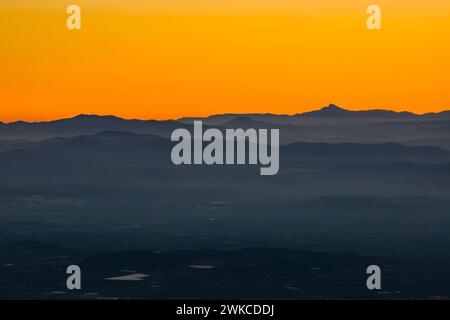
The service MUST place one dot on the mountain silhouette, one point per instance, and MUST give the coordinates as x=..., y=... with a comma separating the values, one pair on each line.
x=331, y=111
x=331, y=124
x=85, y=124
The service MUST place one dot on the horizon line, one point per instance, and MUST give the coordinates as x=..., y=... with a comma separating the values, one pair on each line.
x=222, y=114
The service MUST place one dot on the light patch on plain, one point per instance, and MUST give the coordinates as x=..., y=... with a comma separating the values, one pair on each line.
x=198, y=266
x=130, y=277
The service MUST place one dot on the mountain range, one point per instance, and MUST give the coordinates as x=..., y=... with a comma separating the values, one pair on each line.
x=330, y=124
x=330, y=112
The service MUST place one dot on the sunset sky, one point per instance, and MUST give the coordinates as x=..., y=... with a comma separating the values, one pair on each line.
x=172, y=58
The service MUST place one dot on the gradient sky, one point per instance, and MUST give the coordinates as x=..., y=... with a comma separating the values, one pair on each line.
x=171, y=58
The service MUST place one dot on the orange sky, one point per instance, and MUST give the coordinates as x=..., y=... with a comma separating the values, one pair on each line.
x=172, y=58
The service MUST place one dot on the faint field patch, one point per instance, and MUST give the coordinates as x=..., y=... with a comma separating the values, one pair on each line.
x=197, y=266
x=40, y=200
x=129, y=277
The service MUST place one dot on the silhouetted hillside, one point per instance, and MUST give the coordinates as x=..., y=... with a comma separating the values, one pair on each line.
x=329, y=124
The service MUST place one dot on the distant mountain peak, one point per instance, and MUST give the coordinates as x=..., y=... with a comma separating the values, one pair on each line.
x=334, y=111
x=329, y=111
x=83, y=116
x=332, y=108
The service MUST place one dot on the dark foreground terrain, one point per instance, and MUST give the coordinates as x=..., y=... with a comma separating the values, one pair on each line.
x=267, y=273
